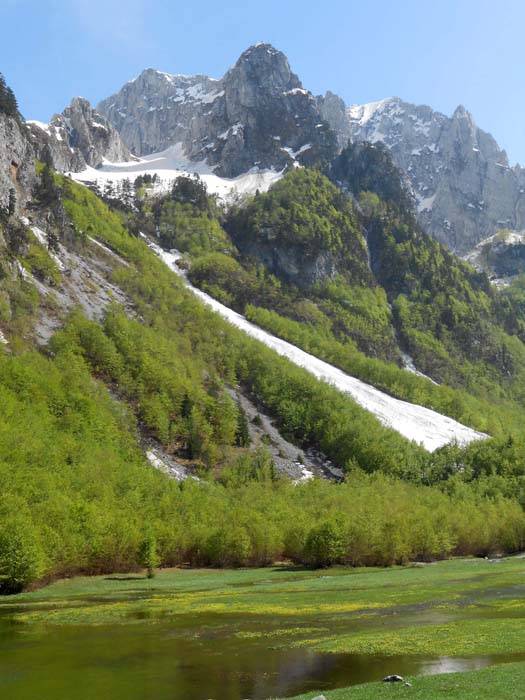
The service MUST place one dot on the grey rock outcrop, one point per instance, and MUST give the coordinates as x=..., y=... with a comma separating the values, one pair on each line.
x=289, y=262
x=333, y=111
x=463, y=185
x=78, y=137
x=17, y=161
x=257, y=116
x=501, y=255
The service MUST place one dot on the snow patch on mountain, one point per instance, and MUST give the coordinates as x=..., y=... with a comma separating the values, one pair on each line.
x=173, y=163
x=363, y=113
x=422, y=425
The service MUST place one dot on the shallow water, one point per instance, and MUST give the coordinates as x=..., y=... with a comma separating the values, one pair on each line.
x=191, y=658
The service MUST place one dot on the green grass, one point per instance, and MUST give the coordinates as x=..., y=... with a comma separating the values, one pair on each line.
x=459, y=587
x=504, y=682
x=456, y=638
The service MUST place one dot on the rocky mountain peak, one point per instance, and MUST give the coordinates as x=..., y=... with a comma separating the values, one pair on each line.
x=258, y=116
x=264, y=68
x=461, y=113
x=78, y=137
x=463, y=187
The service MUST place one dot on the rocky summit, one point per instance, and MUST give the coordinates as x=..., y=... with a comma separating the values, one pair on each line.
x=257, y=116
x=77, y=137
x=463, y=186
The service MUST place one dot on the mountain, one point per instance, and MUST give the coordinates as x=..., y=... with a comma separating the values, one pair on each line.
x=76, y=138
x=257, y=116
x=242, y=131
x=463, y=187
x=116, y=380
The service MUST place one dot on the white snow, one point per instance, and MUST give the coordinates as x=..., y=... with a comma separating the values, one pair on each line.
x=478, y=256
x=424, y=426
x=172, y=163
x=294, y=154
x=297, y=91
x=40, y=125
x=47, y=128
x=363, y=113
x=3, y=339
x=515, y=238
x=234, y=130
x=306, y=474
x=39, y=235
x=197, y=93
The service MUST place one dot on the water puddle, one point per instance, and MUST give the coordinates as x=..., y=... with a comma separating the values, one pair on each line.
x=196, y=658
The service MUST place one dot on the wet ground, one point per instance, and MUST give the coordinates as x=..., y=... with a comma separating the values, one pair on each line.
x=200, y=657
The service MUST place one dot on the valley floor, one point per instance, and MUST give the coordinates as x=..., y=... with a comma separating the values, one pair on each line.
x=267, y=633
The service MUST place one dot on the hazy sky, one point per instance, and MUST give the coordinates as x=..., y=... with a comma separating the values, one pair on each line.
x=436, y=52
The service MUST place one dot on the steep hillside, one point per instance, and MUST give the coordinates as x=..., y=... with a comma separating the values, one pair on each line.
x=17, y=164
x=363, y=277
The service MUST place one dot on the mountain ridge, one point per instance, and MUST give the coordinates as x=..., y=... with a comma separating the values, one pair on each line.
x=259, y=117
x=463, y=187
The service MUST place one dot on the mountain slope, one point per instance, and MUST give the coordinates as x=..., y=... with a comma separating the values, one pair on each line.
x=417, y=423
x=258, y=120
x=108, y=360
x=17, y=156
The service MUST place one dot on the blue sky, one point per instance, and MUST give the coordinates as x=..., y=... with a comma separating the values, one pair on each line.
x=436, y=52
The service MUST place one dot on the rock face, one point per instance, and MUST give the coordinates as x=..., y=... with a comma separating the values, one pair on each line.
x=463, y=186
x=17, y=160
x=78, y=137
x=333, y=111
x=501, y=255
x=289, y=262
x=257, y=116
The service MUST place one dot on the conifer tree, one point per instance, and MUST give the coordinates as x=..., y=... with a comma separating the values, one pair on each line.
x=242, y=435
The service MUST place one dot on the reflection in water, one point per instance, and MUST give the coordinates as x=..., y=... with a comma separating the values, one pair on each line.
x=448, y=664
x=184, y=659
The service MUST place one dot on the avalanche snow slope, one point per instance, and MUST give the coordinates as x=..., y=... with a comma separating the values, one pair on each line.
x=171, y=164
x=424, y=426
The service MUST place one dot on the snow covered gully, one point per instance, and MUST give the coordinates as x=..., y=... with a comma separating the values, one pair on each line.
x=424, y=426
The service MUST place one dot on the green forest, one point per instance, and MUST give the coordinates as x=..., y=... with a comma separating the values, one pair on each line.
x=79, y=496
